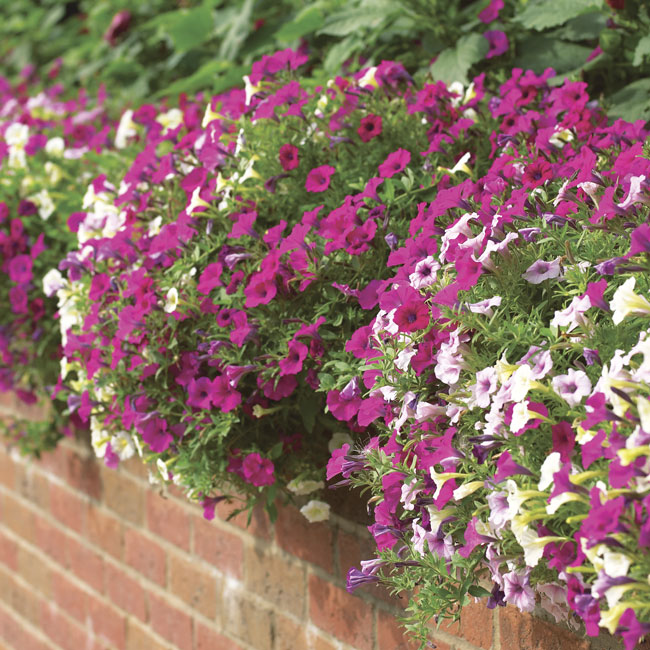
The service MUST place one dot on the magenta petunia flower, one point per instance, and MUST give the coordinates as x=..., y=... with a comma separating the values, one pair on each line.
x=199, y=393
x=154, y=433
x=20, y=269
x=288, y=156
x=498, y=42
x=394, y=163
x=370, y=127
x=412, y=315
x=257, y=470
x=537, y=173
x=491, y=12
x=210, y=278
x=318, y=179
x=223, y=395
x=261, y=290
x=292, y=363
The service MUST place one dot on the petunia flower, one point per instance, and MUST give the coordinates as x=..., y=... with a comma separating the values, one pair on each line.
x=625, y=302
x=288, y=156
x=318, y=179
x=498, y=42
x=572, y=387
x=394, y=163
x=541, y=270
x=257, y=470
x=370, y=127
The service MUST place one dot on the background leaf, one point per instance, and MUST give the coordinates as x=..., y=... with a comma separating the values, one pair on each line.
x=454, y=63
x=542, y=14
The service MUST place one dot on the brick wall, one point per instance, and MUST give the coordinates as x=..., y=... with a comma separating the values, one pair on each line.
x=97, y=559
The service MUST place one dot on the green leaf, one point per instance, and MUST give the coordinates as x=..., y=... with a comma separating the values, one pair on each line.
x=540, y=52
x=239, y=29
x=632, y=102
x=583, y=28
x=191, y=28
x=308, y=407
x=306, y=22
x=542, y=14
x=454, y=63
x=276, y=451
x=478, y=592
x=350, y=21
x=642, y=50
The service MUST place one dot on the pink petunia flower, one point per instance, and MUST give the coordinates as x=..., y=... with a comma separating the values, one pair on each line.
x=20, y=269
x=370, y=127
x=318, y=179
x=288, y=156
x=257, y=470
x=394, y=163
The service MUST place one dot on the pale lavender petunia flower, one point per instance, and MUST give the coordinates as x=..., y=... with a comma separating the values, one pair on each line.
x=518, y=591
x=424, y=273
x=486, y=384
x=572, y=387
x=485, y=306
x=573, y=315
x=541, y=270
x=499, y=510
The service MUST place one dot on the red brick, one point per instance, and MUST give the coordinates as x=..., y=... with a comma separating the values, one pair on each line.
x=33, y=569
x=222, y=549
x=67, y=508
x=104, y=530
x=107, y=624
x=390, y=635
x=18, y=635
x=247, y=620
x=289, y=633
x=476, y=624
x=69, y=597
x=62, y=632
x=344, y=616
x=139, y=637
x=125, y=592
x=310, y=542
x=170, y=623
x=146, y=556
x=525, y=632
x=276, y=579
x=440, y=645
x=17, y=517
x=51, y=540
x=124, y=496
x=351, y=550
x=82, y=472
x=193, y=585
x=168, y=519
x=209, y=639
x=86, y=564
x=8, y=552
x=25, y=602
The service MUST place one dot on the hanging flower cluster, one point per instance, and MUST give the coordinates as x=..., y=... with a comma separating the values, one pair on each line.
x=216, y=283
x=46, y=146
x=507, y=370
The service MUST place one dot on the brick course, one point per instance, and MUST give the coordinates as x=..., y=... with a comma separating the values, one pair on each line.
x=98, y=559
